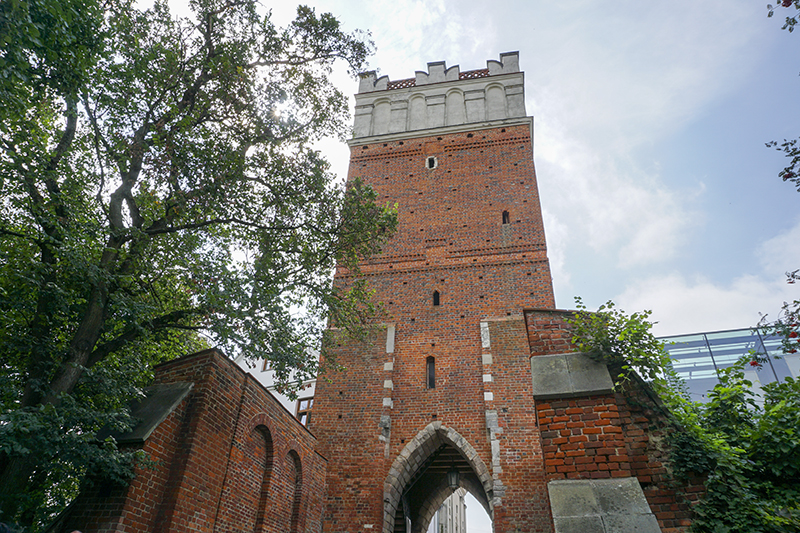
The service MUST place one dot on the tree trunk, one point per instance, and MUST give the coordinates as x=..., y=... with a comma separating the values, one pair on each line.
x=14, y=475
x=17, y=473
x=80, y=348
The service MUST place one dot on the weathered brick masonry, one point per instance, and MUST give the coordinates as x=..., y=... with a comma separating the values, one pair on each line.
x=613, y=435
x=227, y=458
x=470, y=230
x=467, y=285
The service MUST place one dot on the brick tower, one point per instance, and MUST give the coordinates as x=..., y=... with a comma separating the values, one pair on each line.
x=454, y=150
x=447, y=387
x=473, y=383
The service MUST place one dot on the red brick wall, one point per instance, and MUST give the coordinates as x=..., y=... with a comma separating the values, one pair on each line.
x=451, y=239
x=220, y=462
x=609, y=435
x=526, y=505
x=349, y=421
x=450, y=224
x=548, y=334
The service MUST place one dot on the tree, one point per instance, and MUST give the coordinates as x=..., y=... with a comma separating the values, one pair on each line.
x=749, y=453
x=159, y=192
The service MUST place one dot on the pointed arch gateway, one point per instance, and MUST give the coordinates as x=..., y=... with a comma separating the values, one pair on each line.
x=417, y=482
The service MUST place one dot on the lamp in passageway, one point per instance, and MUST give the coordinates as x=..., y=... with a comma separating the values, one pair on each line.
x=452, y=477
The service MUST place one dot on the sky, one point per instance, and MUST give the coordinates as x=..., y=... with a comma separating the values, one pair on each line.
x=650, y=124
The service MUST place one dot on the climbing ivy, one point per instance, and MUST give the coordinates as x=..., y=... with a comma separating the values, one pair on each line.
x=746, y=445
x=624, y=342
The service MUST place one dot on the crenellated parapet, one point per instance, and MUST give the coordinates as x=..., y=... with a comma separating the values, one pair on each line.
x=440, y=97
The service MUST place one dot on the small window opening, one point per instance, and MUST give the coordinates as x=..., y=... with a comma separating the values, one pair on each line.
x=430, y=372
x=431, y=162
x=304, y=406
x=506, y=217
x=435, y=297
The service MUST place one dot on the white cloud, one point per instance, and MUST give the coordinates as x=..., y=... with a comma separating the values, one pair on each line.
x=611, y=81
x=782, y=252
x=557, y=235
x=625, y=76
x=608, y=204
x=410, y=34
x=683, y=305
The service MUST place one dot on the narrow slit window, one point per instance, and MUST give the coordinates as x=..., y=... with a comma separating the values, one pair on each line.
x=430, y=372
x=435, y=297
x=506, y=217
x=431, y=162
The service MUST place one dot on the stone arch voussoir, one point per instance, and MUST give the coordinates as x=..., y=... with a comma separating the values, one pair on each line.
x=415, y=453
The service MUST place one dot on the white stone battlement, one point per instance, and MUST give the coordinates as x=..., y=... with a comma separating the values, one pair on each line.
x=440, y=97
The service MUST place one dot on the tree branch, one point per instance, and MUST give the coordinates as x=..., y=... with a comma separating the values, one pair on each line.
x=168, y=320
x=30, y=238
x=160, y=229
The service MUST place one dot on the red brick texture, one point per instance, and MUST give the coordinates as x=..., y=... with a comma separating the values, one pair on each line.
x=525, y=506
x=378, y=422
x=229, y=458
x=451, y=239
x=609, y=435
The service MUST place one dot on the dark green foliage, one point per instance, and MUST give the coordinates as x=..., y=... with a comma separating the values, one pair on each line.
x=749, y=450
x=158, y=195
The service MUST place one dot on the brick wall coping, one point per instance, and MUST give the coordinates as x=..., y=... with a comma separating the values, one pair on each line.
x=550, y=310
x=217, y=355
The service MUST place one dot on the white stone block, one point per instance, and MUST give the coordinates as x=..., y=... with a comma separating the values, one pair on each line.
x=390, y=330
x=485, y=341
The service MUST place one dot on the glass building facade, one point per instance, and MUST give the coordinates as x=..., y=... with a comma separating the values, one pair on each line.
x=699, y=357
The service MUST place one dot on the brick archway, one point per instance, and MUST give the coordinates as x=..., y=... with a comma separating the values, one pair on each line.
x=416, y=453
